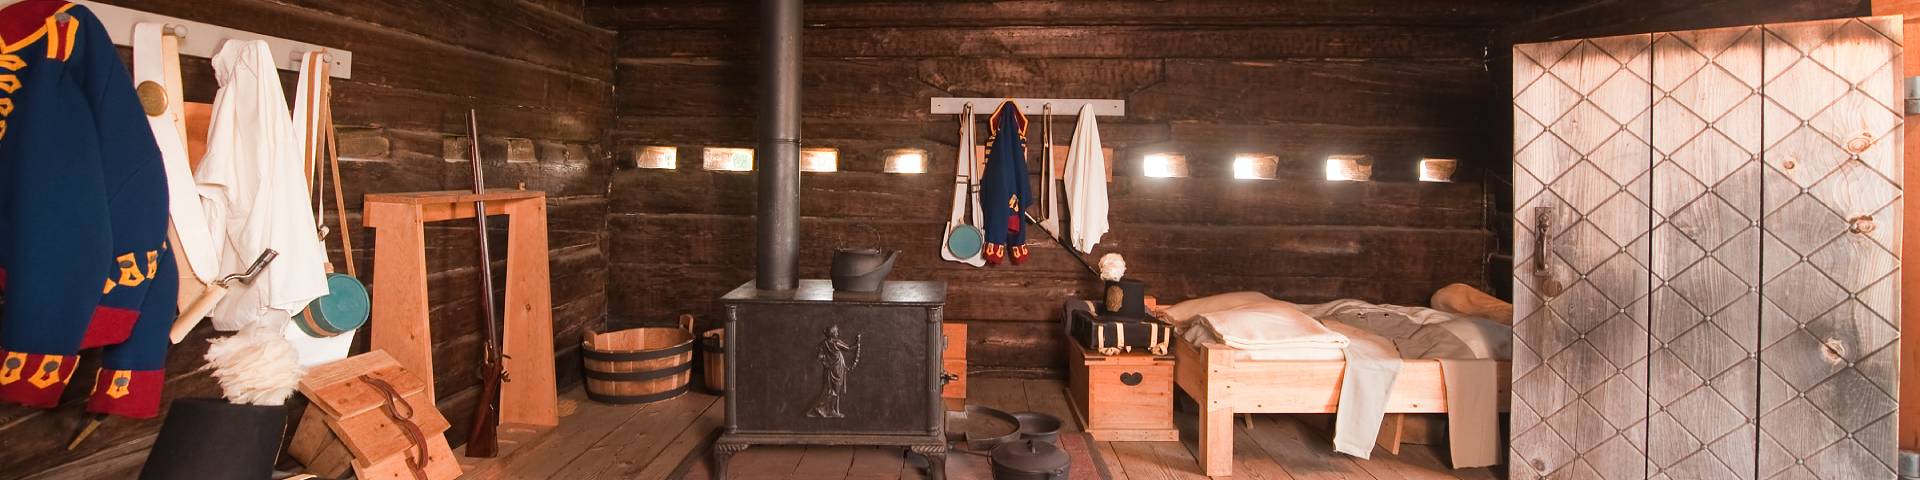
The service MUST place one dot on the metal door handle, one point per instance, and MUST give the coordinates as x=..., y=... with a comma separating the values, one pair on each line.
x=1549, y=286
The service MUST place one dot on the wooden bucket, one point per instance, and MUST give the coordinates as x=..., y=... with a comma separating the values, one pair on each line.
x=639, y=365
x=713, y=356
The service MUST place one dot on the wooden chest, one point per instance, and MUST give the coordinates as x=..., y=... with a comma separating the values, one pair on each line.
x=1125, y=397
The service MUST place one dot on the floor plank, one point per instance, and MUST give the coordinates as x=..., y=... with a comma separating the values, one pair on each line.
x=967, y=466
x=766, y=462
x=1178, y=462
x=649, y=442
x=824, y=462
x=690, y=439
x=1006, y=394
x=1111, y=460
x=1050, y=397
x=1250, y=462
x=590, y=423
x=1141, y=462
x=641, y=437
x=1306, y=457
x=876, y=463
x=1433, y=462
x=1381, y=465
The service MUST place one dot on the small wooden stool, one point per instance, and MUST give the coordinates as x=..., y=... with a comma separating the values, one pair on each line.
x=400, y=325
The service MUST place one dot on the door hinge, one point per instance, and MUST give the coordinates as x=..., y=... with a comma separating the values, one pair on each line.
x=1913, y=95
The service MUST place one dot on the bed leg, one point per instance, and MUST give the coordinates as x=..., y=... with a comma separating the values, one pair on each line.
x=1391, y=428
x=1216, y=442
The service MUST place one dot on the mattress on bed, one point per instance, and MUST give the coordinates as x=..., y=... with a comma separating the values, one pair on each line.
x=1416, y=332
x=1204, y=337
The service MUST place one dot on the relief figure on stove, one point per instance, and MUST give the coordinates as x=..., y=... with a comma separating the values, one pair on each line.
x=833, y=359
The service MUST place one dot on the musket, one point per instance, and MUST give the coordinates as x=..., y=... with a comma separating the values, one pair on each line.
x=483, y=440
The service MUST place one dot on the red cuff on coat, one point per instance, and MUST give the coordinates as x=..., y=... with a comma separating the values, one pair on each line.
x=108, y=326
x=34, y=379
x=127, y=393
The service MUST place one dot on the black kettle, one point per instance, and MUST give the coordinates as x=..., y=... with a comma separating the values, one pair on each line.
x=861, y=270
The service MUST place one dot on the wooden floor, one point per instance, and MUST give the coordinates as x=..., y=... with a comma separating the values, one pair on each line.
x=649, y=442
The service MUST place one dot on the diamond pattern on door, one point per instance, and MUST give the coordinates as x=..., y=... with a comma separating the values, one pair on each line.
x=1724, y=209
x=1591, y=99
x=1833, y=88
x=1702, y=349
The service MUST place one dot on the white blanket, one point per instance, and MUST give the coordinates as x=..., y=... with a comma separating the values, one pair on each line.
x=1269, y=326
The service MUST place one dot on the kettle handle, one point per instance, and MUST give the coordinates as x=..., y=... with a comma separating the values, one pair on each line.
x=873, y=234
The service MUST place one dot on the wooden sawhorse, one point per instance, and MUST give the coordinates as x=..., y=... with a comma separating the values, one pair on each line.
x=400, y=295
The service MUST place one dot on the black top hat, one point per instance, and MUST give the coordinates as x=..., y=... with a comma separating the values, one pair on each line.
x=1126, y=301
x=211, y=439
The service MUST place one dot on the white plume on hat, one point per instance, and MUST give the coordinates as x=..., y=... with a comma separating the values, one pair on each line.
x=257, y=366
x=1112, y=267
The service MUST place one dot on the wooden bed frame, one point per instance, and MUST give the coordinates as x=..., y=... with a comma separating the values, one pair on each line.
x=1224, y=387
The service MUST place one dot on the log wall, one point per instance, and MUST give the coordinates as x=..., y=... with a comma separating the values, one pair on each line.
x=541, y=79
x=1396, y=79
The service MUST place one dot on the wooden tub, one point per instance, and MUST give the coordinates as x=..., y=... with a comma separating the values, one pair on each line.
x=639, y=365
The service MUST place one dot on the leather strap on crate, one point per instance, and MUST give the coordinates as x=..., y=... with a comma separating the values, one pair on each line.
x=402, y=414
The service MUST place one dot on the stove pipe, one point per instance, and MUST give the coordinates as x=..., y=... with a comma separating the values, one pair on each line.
x=778, y=244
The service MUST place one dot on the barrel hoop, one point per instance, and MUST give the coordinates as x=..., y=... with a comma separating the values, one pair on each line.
x=640, y=355
x=630, y=399
x=636, y=376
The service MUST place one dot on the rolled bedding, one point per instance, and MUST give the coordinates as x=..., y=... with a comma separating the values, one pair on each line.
x=1251, y=321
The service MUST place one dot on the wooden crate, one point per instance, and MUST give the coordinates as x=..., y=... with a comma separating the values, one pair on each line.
x=1122, y=398
x=346, y=424
x=953, y=359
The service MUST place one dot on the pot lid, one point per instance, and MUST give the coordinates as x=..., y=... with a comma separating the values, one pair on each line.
x=1031, y=456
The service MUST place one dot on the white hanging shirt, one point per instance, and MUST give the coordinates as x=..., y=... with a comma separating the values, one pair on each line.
x=253, y=189
x=1086, y=180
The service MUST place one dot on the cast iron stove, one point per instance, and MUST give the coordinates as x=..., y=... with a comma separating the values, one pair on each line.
x=810, y=366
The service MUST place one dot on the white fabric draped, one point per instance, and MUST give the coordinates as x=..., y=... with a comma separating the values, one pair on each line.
x=1086, y=180
x=254, y=192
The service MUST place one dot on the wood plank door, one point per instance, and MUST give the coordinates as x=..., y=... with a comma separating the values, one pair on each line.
x=1582, y=124
x=1909, y=306
x=1706, y=253
x=1707, y=277
x=1830, y=311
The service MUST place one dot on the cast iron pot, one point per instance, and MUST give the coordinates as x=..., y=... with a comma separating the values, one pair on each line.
x=210, y=439
x=1030, y=459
